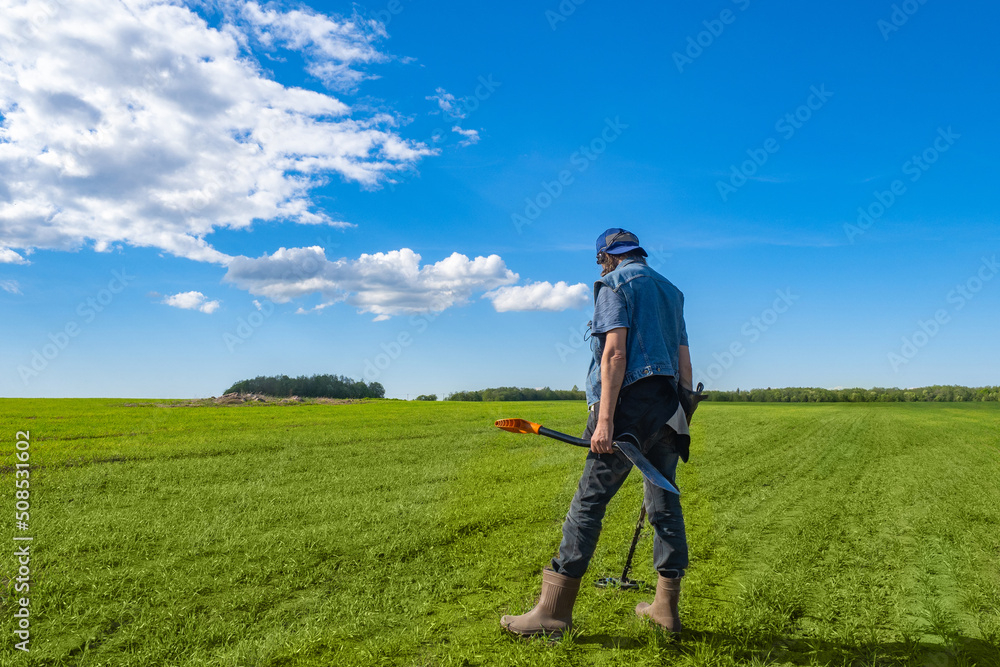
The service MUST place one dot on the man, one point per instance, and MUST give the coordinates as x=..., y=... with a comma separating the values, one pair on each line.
x=640, y=347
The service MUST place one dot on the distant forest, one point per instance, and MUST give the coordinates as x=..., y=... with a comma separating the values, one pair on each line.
x=937, y=393
x=518, y=394
x=314, y=386
x=338, y=386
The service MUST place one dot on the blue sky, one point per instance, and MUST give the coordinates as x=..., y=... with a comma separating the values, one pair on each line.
x=195, y=194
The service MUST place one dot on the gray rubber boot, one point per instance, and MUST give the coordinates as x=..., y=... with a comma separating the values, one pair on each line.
x=553, y=615
x=663, y=611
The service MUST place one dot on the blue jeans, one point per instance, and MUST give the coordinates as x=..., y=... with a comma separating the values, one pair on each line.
x=603, y=475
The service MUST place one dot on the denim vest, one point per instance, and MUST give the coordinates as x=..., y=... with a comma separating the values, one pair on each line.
x=656, y=330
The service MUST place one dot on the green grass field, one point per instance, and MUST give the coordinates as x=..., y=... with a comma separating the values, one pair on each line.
x=395, y=533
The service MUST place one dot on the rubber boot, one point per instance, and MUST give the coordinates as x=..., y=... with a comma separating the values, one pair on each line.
x=553, y=615
x=663, y=611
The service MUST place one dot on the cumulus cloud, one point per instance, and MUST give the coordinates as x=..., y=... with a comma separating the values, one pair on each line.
x=470, y=136
x=192, y=301
x=539, y=296
x=10, y=286
x=136, y=121
x=384, y=284
x=8, y=256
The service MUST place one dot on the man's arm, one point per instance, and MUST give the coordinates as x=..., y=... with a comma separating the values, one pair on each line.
x=686, y=375
x=689, y=400
x=612, y=375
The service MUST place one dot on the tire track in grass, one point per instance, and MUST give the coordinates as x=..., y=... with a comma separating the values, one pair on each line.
x=866, y=534
x=502, y=526
x=484, y=515
x=761, y=480
x=792, y=530
x=838, y=559
x=956, y=540
x=864, y=570
x=733, y=489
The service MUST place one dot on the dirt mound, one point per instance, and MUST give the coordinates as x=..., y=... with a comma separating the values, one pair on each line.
x=235, y=398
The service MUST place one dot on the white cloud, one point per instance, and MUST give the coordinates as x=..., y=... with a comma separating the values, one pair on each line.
x=339, y=224
x=384, y=284
x=10, y=286
x=471, y=136
x=331, y=46
x=192, y=301
x=134, y=121
x=446, y=103
x=8, y=256
x=539, y=296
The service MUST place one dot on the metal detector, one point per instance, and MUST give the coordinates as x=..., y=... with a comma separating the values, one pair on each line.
x=690, y=402
x=624, y=582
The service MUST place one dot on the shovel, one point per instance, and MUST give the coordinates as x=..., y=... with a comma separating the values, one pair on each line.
x=629, y=449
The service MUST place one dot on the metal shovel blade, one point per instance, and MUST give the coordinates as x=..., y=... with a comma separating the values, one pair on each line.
x=652, y=475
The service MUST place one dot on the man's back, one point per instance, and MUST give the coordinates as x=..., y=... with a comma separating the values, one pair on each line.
x=652, y=308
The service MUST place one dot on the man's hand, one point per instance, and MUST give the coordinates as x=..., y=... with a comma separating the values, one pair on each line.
x=600, y=442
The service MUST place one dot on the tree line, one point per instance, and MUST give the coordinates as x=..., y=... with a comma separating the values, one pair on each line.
x=518, y=394
x=313, y=386
x=936, y=393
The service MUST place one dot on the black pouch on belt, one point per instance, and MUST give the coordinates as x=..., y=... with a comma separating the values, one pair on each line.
x=644, y=407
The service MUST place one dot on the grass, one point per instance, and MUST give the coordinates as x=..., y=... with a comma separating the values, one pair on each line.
x=394, y=533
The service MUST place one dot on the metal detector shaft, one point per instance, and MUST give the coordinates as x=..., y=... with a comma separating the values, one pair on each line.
x=635, y=541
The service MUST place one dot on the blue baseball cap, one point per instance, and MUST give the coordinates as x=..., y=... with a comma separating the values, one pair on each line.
x=616, y=240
